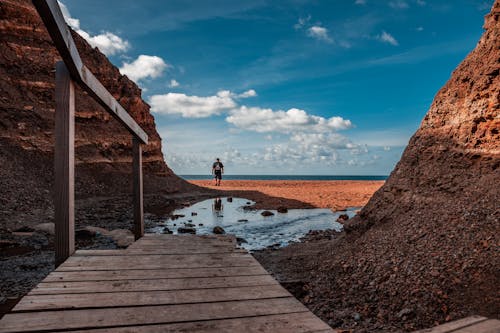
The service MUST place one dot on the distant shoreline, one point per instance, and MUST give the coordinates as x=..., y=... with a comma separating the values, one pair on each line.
x=286, y=177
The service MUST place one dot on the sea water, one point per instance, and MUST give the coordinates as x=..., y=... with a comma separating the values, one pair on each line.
x=257, y=231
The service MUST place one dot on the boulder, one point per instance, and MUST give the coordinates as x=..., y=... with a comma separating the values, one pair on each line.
x=182, y=230
x=48, y=228
x=342, y=218
x=267, y=213
x=229, y=199
x=121, y=237
x=218, y=230
x=282, y=210
x=167, y=231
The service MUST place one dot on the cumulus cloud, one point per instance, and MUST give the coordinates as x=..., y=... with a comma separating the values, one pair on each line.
x=319, y=33
x=173, y=84
x=247, y=94
x=386, y=37
x=399, y=4
x=107, y=42
x=143, y=67
x=294, y=120
x=192, y=106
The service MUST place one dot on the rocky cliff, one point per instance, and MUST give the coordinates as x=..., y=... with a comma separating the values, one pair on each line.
x=425, y=249
x=103, y=147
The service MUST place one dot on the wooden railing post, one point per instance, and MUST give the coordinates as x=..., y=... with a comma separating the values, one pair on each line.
x=64, y=165
x=138, y=188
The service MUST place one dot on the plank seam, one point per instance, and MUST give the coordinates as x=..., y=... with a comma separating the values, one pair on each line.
x=167, y=278
x=146, y=305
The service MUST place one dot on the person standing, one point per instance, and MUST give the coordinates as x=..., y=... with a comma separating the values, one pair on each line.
x=217, y=171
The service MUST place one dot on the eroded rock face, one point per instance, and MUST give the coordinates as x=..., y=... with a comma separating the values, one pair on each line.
x=103, y=146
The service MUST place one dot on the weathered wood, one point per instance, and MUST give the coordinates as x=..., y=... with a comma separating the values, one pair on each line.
x=138, y=193
x=157, y=252
x=113, y=275
x=61, y=35
x=454, y=325
x=64, y=165
x=109, y=317
x=120, y=299
x=149, y=285
x=156, y=262
x=300, y=322
x=488, y=326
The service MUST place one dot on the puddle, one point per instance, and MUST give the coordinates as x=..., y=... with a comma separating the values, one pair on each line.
x=258, y=231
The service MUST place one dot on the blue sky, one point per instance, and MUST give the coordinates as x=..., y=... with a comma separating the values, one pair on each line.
x=284, y=87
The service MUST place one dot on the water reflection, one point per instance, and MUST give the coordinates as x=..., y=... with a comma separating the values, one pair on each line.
x=258, y=231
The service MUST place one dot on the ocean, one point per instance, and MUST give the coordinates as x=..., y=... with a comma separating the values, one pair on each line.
x=283, y=177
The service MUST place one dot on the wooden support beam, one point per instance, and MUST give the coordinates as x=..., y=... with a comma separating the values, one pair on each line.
x=64, y=165
x=138, y=189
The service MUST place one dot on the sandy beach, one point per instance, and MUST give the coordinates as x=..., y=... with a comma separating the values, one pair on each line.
x=333, y=194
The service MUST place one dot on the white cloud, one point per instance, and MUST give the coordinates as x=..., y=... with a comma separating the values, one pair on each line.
x=319, y=33
x=386, y=37
x=143, y=67
x=399, y=4
x=192, y=106
x=247, y=94
x=294, y=120
x=302, y=22
x=360, y=2
x=173, y=84
x=107, y=42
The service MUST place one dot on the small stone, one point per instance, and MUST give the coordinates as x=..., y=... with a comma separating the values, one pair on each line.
x=404, y=312
x=229, y=199
x=249, y=203
x=218, y=230
x=167, y=231
x=194, y=213
x=356, y=316
x=201, y=224
x=240, y=240
x=282, y=210
x=342, y=218
x=48, y=227
x=267, y=213
x=186, y=230
x=189, y=225
x=242, y=220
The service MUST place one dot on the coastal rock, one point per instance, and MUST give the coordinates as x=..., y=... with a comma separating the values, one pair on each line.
x=167, y=231
x=229, y=199
x=282, y=210
x=342, y=218
x=267, y=213
x=48, y=227
x=182, y=230
x=218, y=230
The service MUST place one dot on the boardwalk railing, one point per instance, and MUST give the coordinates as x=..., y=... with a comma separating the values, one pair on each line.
x=68, y=72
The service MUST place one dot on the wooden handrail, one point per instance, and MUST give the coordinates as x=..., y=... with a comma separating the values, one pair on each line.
x=68, y=71
x=61, y=35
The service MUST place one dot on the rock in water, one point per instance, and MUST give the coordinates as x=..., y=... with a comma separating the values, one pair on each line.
x=182, y=230
x=282, y=210
x=218, y=230
x=267, y=213
x=342, y=218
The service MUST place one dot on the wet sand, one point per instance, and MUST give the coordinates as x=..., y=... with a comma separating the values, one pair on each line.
x=333, y=194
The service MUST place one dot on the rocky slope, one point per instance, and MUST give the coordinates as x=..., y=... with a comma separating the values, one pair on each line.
x=425, y=249
x=103, y=147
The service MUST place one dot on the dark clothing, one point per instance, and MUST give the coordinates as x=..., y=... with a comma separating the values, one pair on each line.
x=218, y=166
x=218, y=174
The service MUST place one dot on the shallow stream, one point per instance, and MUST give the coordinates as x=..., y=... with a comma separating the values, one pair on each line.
x=257, y=231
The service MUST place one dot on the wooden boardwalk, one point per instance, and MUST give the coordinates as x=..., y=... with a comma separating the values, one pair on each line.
x=162, y=283
x=472, y=324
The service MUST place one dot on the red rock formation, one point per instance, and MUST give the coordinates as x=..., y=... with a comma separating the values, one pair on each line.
x=103, y=146
x=425, y=249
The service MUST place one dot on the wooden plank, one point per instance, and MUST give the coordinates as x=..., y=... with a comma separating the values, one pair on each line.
x=109, y=317
x=113, y=275
x=487, y=326
x=138, y=189
x=300, y=322
x=157, y=252
x=52, y=288
x=64, y=165
x=156, y=262
x=119, y=299
x=454, y=325
x=60, y=33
